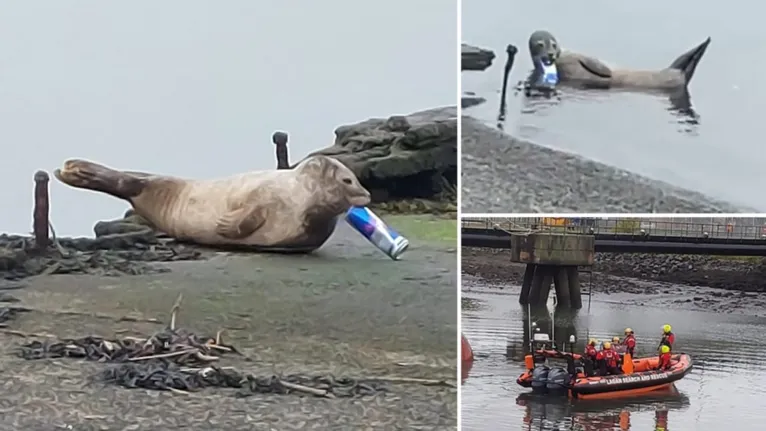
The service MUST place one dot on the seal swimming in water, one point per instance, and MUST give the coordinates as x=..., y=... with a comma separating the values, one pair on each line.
x=293, y=210
x=588, y=72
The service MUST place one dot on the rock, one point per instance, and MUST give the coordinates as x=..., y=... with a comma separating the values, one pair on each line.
x=710, y=271
x=402, y=157
x=11, y=259
x=468, y=100
x=129, y=223
x=504, y=174
x=475, y=58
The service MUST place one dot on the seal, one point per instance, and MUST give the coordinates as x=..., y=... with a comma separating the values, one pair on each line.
x=584, y=71
x=286, y=210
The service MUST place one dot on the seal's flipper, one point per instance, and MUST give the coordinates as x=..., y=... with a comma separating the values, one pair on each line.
x=688, y=61
x=241, y=222
x=596, y=67
x=87, y=175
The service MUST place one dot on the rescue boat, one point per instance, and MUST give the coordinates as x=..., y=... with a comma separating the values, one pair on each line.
x=466, y=351
x=467, y=359
x=639, y=376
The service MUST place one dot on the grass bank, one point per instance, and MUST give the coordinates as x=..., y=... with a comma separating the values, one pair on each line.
x=424, y=227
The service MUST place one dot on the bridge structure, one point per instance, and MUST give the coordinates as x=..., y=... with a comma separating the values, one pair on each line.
x=556, y=250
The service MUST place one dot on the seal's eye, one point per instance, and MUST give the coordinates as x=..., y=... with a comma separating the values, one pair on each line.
x=347, y=180
x=540, y=44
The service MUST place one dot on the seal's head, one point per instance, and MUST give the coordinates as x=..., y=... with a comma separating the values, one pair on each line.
x=335, y=184
x=543, y=48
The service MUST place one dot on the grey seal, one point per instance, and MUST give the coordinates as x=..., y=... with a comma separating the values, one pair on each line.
x=287, y=210
x=588, y=72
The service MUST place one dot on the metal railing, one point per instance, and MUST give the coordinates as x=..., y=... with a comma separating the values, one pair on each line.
x=692, y=227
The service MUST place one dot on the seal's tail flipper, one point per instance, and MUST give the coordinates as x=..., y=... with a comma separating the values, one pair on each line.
x=83, y=174
x=688, y=61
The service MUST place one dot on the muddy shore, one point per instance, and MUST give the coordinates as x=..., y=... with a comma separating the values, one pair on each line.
x=501, y=174
x=712, y=283
x=347, y=310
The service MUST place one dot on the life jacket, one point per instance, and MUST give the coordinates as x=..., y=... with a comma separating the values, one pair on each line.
x=664, y=361
x=610, y=357
x=590, y=351
x=630, y=343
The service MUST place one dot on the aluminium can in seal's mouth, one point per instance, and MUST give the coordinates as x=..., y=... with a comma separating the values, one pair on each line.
x=550, y=76
x=377, y=232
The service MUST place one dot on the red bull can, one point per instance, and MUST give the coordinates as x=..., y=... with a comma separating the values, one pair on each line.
x=377, y=232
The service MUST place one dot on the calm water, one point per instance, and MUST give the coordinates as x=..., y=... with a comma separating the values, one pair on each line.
x=196, y=88
x=725, y=390
x=718, y=157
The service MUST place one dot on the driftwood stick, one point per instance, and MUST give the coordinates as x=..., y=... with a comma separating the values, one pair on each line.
x=308, y=390
x=174, y=311
x=26, y=334
x=415, y=380
x=206, y=358
x=217, y=347
x=162, y=355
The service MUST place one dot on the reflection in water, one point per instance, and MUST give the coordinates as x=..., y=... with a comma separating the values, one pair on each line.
x=538, y=102
x=550, y=413
x=681, y=107
x=465, y=370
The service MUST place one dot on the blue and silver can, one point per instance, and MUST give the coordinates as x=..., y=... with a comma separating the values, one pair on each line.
x=377, y=232
x=549, y=75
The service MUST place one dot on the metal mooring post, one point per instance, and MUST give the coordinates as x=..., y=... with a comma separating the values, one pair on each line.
x=40, y=223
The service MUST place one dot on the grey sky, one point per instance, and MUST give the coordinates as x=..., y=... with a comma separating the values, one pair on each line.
x=195, y=88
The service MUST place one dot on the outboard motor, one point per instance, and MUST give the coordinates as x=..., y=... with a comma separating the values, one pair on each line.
x=540, y=379
x=558, y=381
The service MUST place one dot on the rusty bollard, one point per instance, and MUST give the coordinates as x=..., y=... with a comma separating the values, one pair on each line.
x=42, y=206
x=280, y=140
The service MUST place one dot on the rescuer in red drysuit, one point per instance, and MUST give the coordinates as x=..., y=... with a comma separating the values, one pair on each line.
x=610, y=358
x=629, y=342
x=664, y=358
x=668, y=338
x=590, y=357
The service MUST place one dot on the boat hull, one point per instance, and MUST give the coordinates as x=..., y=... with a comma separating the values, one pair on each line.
x=645, y=378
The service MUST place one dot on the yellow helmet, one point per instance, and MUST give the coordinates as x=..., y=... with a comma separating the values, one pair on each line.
x=664, y=349
x=607, y=345
x=615, y=339
x=666, y=328
x=628, y=331
x=593, y=341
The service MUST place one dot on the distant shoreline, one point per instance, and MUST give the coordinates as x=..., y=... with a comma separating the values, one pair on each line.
x=711, y=283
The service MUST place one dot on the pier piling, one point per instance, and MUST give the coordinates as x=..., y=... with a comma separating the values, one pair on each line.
x=575, y=294
x=280, y=140
x=552, y=258
x=526, y=284
x=561, y=281
x=40, y=223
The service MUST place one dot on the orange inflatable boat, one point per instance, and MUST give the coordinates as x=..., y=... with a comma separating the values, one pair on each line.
x=639, y=376
x=466, y=350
